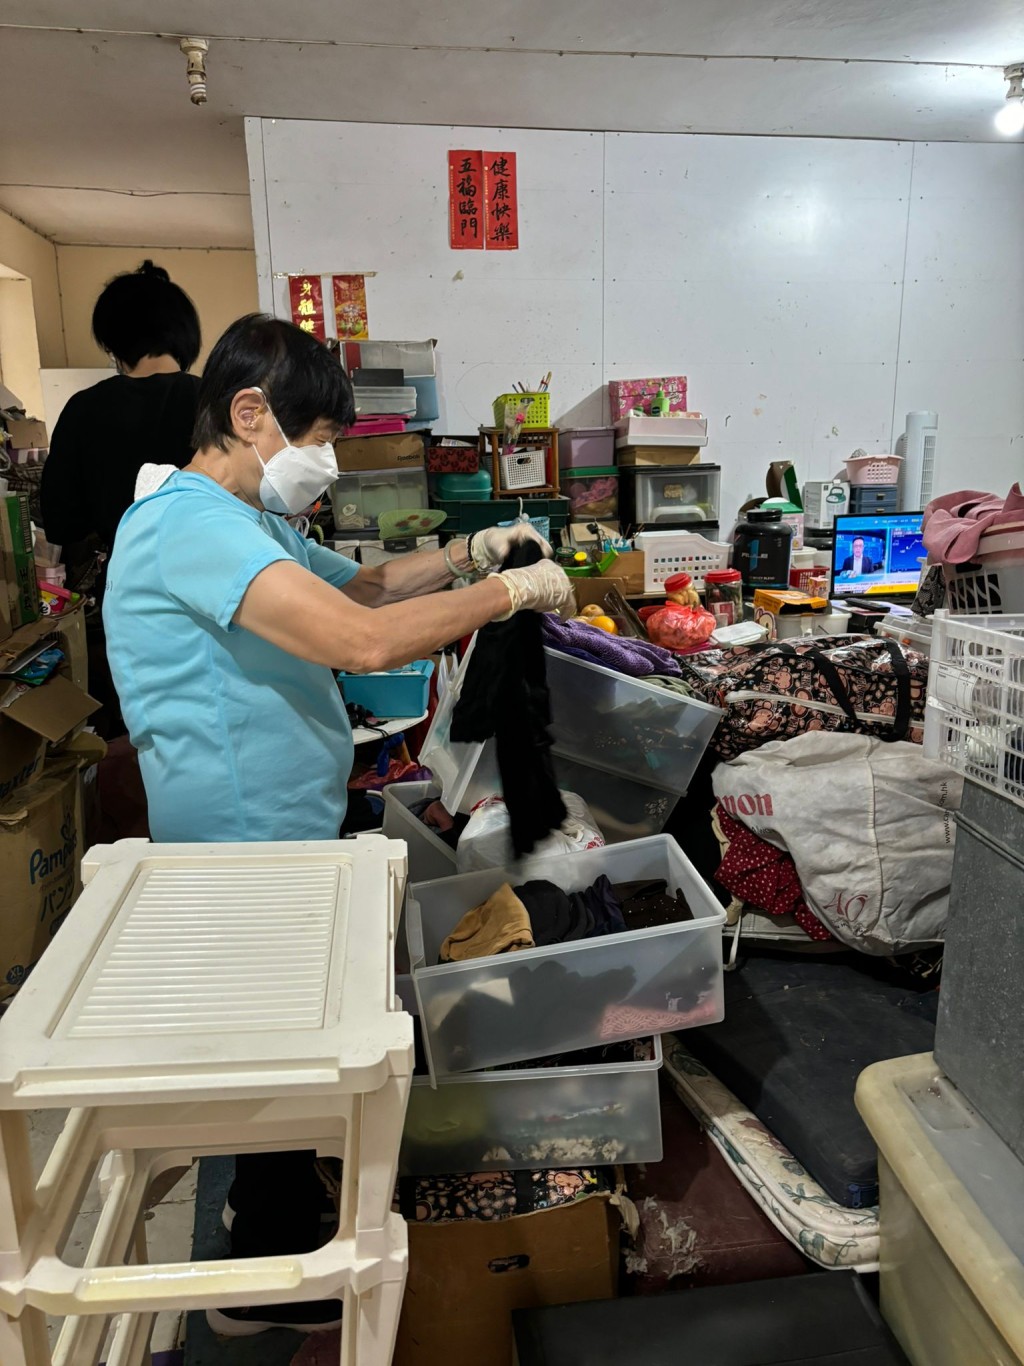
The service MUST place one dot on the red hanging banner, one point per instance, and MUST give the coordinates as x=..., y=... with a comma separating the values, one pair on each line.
x=466, y=201
x=306, y=294
x=501, y=195
x=350, y=315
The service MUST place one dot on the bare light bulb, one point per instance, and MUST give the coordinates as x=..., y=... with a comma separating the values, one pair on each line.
x=1010, y=119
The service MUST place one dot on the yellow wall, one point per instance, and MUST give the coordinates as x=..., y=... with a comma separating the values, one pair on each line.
x=31, y=255
x=221, y=284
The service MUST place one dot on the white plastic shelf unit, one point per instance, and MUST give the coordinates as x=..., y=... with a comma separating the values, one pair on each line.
x=206, y=999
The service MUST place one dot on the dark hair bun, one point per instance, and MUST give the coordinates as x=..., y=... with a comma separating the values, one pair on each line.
x=152, y=272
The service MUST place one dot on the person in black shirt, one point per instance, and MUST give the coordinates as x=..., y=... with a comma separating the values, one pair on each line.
x=143, y=414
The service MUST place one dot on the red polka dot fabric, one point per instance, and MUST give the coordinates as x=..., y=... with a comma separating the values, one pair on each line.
x=764, y=877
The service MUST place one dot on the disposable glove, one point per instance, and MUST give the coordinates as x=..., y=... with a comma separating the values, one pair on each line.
x=490, y=549
x=540, y=587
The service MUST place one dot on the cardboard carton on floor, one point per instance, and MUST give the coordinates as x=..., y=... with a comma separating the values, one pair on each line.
x=40, y=867
x=402, y=451
x=466, y=1278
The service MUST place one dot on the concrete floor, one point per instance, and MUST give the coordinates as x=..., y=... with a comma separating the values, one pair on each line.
x=168, y=1229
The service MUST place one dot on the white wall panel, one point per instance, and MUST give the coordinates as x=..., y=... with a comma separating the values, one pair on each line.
x=812, y=290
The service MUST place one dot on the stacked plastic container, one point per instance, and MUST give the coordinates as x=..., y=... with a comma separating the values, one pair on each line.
x=537, y=1003
x=629, y=748
x=206, y=999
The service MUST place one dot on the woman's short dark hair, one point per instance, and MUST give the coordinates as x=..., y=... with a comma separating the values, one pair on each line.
x=301, y=380
x=142, y=313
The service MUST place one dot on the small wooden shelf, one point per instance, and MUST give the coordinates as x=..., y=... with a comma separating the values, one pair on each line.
x=491, y=442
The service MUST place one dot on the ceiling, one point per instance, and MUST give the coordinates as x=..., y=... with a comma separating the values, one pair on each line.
x=101, y=144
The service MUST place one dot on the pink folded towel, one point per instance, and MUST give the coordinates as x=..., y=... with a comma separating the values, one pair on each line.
x=956, y=522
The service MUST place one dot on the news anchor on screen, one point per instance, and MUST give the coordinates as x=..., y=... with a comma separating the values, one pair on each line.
x=858, y=563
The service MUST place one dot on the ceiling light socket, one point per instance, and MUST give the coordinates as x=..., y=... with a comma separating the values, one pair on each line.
x=195, y=50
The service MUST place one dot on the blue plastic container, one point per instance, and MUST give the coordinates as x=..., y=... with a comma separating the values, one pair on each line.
x=391, y=695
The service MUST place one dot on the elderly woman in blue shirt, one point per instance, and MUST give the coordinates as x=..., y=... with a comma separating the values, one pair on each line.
x=225, y=628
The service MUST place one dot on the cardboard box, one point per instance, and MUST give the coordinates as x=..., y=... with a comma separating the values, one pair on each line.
x=27, y=433
x=660, y=455
x=7, y=587
x=26, y=604
x=9, y=569
x=466, y=1278
x=40, y=867
x=66, y=630
x=403, y=450
x=630, y=566
x=47, y=714
x=595, y=590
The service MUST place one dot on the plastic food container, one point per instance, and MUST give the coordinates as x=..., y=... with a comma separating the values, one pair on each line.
x=951, y=1219
x=586, y=447
x=429, y=856
x=592, y=492
x=532, y=1119
x=358, y=497
x=537, y=1002
x=723, y=590
x=626, y=726
x=391, y=694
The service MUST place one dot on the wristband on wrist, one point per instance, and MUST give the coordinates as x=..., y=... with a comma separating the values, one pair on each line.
x=453, y=569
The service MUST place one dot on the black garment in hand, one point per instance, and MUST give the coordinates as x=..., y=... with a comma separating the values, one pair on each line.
x=505, y=694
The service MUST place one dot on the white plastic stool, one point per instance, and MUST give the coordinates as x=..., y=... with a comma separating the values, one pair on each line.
x=206, y=999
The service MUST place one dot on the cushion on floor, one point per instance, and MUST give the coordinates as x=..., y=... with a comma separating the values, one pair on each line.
x=797, y=1033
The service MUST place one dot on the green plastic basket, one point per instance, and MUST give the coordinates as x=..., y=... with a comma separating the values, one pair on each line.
x=537, y=415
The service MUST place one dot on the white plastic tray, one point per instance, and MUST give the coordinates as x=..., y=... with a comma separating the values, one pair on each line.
x=225, y=970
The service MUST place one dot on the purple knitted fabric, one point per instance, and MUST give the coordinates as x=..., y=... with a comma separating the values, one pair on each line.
x=636, y=658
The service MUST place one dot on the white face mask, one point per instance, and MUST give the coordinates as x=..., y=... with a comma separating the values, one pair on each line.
x=295, y=477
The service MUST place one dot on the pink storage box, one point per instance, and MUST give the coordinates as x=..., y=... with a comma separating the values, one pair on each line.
x=376, y=426
x=627, y=394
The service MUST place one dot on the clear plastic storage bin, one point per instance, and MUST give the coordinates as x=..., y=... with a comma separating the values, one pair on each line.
x=358, y=497
x=666, y=496
x=537, y=1002
x=429, y=856
x=626, y=726
x=622, y=808
x=592, y=491
x=535, y=1118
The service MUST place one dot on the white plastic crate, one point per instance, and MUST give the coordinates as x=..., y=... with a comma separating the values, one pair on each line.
x=673, y=552
x=536, y=1002
x=974, y=719
x=536, y=1118
x=525, y=469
